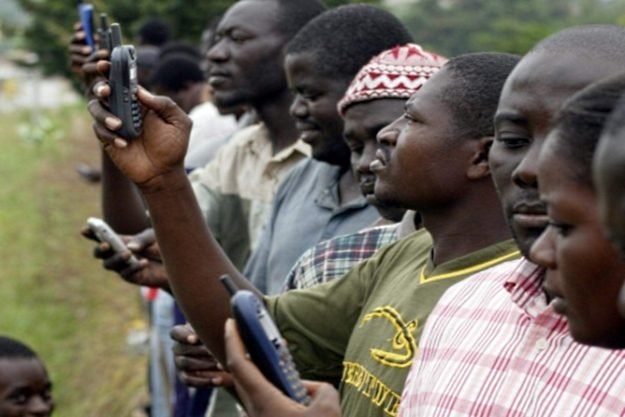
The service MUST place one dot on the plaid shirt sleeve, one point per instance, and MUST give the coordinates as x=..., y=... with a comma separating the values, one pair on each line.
x=334, y=258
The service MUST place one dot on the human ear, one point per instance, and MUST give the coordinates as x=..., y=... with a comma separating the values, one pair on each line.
x=478, y=166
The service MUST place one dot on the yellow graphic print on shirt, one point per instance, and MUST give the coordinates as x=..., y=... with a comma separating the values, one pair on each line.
x=404, y=344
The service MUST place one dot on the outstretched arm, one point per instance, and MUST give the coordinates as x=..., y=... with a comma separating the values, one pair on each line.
x=154, y=162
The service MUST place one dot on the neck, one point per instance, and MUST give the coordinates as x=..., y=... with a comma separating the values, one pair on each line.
x=349, y=189
x=275, y=114
x=466, y=226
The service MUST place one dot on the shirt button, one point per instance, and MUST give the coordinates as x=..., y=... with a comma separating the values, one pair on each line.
x=542, y=344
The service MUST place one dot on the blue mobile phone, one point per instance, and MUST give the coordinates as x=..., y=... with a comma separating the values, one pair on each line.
x=85, y=12
x=264, y=342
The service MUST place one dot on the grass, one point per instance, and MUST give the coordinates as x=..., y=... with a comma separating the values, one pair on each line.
x=53, y=294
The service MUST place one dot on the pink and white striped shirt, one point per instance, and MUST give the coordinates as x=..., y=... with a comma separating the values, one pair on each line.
x=493, y=347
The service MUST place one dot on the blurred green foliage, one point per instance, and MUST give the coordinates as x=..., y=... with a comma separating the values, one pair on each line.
x=452, y=27
x=52, y=21
x=449, y=27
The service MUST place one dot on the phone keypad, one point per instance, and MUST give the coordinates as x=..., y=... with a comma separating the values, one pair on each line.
x=286, y=363
x=136, y=113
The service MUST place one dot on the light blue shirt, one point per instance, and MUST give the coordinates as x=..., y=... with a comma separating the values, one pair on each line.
x=305, y=212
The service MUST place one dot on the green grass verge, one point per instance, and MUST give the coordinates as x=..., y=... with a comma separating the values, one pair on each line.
x=53, y=294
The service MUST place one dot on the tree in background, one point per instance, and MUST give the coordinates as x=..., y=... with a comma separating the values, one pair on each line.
x=449, y=27
x=452, y=27
x=52, y=22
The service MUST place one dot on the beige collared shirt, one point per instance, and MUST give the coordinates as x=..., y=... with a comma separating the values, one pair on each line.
x=235, y=190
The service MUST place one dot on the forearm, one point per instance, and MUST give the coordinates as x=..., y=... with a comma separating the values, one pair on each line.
x=122, y=206
x=194, y=260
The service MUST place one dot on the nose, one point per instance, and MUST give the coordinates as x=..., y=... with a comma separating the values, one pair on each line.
x=38, y=406
x=298, y=109
x=218, y=52
x=524, y=175
x=543, y=250
x=363, y=161
x=388, y=135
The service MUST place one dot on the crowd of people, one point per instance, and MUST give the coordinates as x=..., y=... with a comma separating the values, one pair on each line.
x=432, y=236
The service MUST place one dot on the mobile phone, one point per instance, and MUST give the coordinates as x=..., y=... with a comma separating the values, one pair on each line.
x=264, y=342
x=104, y=33
x=123, y=81
x=104, y=233
x=85, y=12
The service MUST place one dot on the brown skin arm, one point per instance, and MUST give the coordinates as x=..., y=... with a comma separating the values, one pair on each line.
x=154, y=162
x=122, y=206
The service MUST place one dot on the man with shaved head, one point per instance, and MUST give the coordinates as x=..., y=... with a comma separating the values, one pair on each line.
x=494, y=344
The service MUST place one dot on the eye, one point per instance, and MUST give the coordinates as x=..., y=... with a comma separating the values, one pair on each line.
x=562, y=229
x=409, y=119
x=513, y=141
x=238, y=36
x=356, y=148
x=20, y=398
x=309, y=95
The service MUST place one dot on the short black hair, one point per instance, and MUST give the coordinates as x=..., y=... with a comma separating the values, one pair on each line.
x=179, y=47
x=14, y=349
x=603, y=42
x=345, y=38
x=294, y=14
x=473, y=96
x=616, y=121
x=581, y=120
x=154, y=31
x=176, y=72
x=147, y=56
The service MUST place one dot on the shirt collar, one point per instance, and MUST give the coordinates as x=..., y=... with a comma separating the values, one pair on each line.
x=328, y=179
x=259, y=143
x=525, y=287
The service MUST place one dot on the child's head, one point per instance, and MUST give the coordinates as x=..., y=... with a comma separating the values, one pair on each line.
x=25, y=389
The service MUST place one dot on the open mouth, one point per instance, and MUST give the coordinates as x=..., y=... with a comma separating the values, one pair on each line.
x=367, y=187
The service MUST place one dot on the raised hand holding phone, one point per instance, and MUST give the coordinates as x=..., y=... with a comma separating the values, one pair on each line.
x=124, y=84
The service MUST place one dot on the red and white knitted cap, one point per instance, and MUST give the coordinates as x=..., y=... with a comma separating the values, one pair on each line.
x=395, y=73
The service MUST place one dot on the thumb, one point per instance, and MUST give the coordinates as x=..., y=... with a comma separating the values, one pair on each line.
x=326, y=401
x=163, y=106
x=142, y=240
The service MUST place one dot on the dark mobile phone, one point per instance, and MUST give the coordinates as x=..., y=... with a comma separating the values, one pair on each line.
x=123, y=81
x=264, y=342
x=104, y=33
x=85, y=12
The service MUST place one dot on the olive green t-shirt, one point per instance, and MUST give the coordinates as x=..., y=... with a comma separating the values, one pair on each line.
x=362, y=330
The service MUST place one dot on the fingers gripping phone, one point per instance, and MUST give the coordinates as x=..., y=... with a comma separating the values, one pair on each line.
x=123, y=81
x=104, y=233
x=264, y=342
